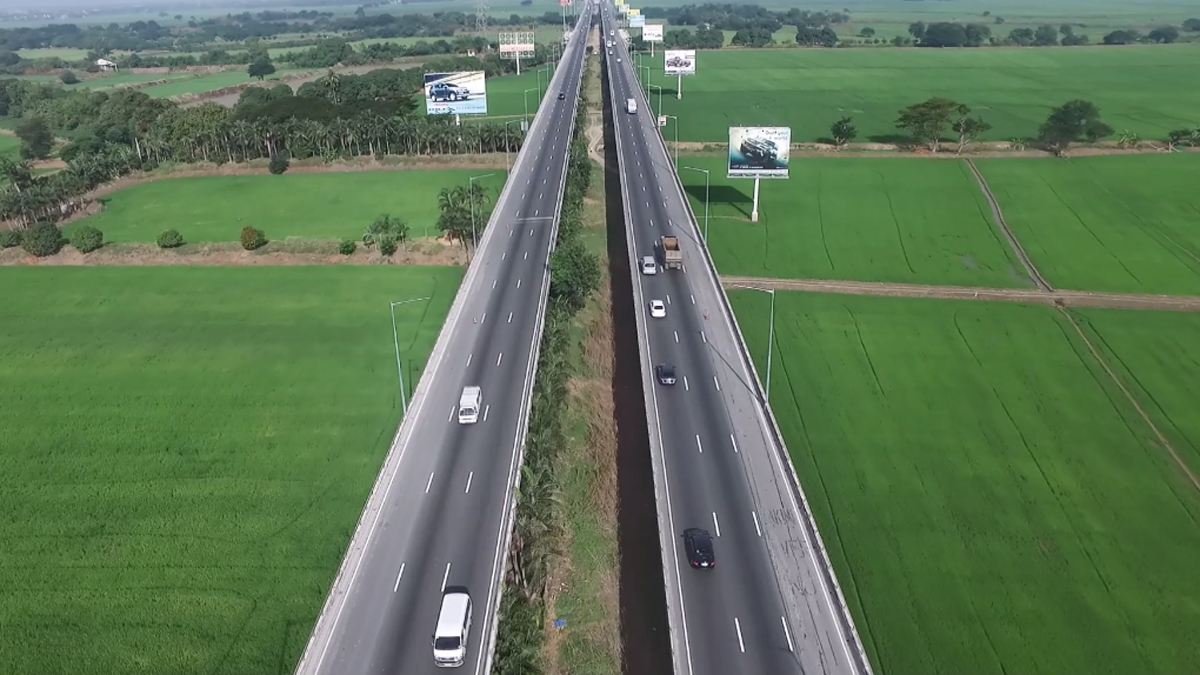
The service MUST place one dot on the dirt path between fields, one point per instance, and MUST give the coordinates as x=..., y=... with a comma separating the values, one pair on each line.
x=998, y=216
x=1060, y=298
x=230, y=254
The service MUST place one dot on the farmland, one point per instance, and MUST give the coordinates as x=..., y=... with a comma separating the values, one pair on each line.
x=205, y=83
x=897, y=220
x=185, y=454
x=1122, y=224
x=302, y=206
x=1144, y=90
x=10, y=146
x=992, y=516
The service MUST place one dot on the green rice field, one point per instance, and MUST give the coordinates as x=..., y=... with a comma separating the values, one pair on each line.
x=1121, y=224
x=1004, y=509
x=301, y=206
x=52, y=53
x=894, y=219
x=185, y=454
x=1146, y=90
x=10, y=146
x=205, y=83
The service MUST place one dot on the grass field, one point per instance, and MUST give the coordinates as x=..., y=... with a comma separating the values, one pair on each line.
x=895, y=219
x=990, y=501
x=206, y=83
x=10, y=146
x=51, y=53
x=1122, y=224
x=302, y=206
x=1143, y=89
x=185, y=454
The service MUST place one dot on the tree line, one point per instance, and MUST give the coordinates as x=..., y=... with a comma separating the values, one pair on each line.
x=114, y=133
x=947, y=34
x=930, y=122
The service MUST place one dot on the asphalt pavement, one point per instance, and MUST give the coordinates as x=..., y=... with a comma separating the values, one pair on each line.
x=440, y=513
x=771, y=605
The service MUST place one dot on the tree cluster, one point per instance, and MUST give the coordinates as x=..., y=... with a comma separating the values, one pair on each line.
x=947, y=34
x=575, y=276
x=739, y=17
x=114, y=133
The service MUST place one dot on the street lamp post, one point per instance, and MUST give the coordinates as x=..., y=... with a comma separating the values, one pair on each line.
x=676, y=125
x=507, y=166
x=525, y=97
x=471, y=196
x=770, y=333
x=647, y=80
x=705, y=172
x=539, y=80
x=396, y=341
x=655, y=86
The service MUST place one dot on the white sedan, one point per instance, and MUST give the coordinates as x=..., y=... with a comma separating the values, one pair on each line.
x=658, y=310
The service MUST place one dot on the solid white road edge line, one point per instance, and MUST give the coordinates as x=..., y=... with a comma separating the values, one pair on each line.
x=788, y=634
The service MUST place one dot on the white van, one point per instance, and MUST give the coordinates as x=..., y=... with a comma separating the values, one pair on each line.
x=468, y=405
x=631, y=106
x=453, y=628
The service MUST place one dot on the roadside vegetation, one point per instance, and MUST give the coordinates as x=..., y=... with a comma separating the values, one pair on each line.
x=186, y=453
x=541, y=519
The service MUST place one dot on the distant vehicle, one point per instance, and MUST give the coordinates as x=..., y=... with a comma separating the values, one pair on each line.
x=631, y=104
x=676, y=62
x=648, y=265
x=468, y=405
x=453, y=628
x=561, y=96
x=665, y=373
x=658, y=309
x=618, y=59
x=759, y=149
x=699, y=546
x=610, y=32
x=672, y=256
x=444, y=91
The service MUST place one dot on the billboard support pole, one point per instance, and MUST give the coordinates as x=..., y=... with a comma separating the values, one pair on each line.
x=679, y=87
x=518, y=63
x=754, y=209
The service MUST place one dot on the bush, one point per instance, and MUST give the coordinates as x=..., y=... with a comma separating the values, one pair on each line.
x=253, y=238
x=42, y=240
x=170, y=239
x=347, y=247
x=9, y=238
x=387, y=245
x=86, y=238
x=279, y=164
x=67, y=77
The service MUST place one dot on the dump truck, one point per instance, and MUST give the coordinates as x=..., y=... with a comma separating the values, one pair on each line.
x=672, y=257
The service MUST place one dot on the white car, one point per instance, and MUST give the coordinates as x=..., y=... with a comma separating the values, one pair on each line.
x=648, y=265
x=658, y=309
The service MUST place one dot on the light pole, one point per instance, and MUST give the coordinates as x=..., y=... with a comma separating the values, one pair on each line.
x=705, y=172
x=655, y=86
x=507, y=167
x=396, y=341
x=525, y=96
x=471, y=196
x=676, y=125
x=539, y=80
x=647, y=80
x=770, y=333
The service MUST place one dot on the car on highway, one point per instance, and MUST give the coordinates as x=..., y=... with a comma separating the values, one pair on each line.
x=665, y=373
x=618, y=59
x=444, y=91
x=561, y=96
x=453, y=627
x=698, y=544
x=649, y=266
x=658, y=309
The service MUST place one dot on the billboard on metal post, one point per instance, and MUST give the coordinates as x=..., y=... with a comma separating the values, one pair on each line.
x=679, y=62
x=637, y=21
x=759, y=152
x=518, y=44
x=652, y=32
x=634, y=12
x=456, y=93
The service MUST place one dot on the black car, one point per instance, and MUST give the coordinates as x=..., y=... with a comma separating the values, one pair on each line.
x=699, y=546
x=665, y=373
x=561, y=96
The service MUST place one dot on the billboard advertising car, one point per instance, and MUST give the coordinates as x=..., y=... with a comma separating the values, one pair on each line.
x=637, y=21
x=456, y=93
x=680, y=62
x=652, y=32
x=759, y=152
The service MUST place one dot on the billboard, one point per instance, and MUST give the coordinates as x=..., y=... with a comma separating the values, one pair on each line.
x=635, y=12
x=516, y=45
x=679, y=62
x=759, y=152
x=652, y=32
x=637, y=21
x=456, y=93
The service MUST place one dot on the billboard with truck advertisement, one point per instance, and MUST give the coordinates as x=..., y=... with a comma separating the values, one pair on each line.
x=759, y=152
x=652, y=32
x=637, y=21
x=456, y=93
x=679, y=62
